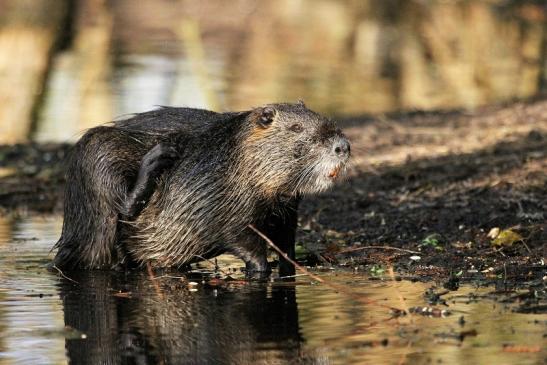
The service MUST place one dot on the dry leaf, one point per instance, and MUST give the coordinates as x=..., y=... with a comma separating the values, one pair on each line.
x=506, y=237
x=494, y=233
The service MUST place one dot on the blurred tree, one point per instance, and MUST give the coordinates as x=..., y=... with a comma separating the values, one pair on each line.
x=29, y=31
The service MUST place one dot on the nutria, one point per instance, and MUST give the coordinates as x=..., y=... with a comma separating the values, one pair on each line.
x=175, y=185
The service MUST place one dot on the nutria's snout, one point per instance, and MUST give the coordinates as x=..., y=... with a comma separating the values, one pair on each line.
x=341, y=149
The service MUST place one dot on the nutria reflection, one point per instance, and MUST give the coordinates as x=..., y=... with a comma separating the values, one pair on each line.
x=169, y=324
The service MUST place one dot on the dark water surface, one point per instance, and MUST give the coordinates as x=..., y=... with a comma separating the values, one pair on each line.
x=104, y=317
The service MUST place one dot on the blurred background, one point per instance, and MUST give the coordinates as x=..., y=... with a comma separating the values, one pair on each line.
x=67, y=65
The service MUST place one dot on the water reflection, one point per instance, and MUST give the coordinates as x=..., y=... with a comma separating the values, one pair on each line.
x=31, y=316
x=169, y=324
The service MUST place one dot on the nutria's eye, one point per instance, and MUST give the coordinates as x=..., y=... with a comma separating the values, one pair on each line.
x=267, y=116
x=297, y=128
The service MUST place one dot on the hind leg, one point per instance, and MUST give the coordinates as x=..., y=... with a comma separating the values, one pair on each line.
x=154, y=162
x=101, y=169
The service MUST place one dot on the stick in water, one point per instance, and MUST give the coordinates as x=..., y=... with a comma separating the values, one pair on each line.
x=336, y=287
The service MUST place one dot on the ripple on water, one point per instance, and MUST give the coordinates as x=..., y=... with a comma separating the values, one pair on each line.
x=30, y=308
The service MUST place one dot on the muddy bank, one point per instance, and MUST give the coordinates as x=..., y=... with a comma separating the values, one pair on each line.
x=32, y=178
x=434, y=184
x=466, y=193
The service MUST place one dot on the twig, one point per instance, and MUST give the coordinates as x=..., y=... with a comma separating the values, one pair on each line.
x=527, y=248
x=379, y=247
x=63, y=275
x=336, y=287
x=168, y=277
x=291, y=276
x=500, y=251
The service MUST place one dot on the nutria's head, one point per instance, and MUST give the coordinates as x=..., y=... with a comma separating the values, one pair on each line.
x=292, y=149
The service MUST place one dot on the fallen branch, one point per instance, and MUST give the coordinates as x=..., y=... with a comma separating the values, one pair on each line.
x=63, y=275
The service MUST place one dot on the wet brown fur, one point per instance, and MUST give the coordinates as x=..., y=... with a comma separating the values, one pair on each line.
x=125, y=206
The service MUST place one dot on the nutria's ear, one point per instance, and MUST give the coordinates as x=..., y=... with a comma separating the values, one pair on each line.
x=301, y=103
x=265, y=116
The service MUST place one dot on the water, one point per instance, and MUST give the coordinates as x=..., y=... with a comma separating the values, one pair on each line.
x=31, y=314
x=104, y=317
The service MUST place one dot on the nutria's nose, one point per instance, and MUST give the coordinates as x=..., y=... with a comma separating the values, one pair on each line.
x=341, y=148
